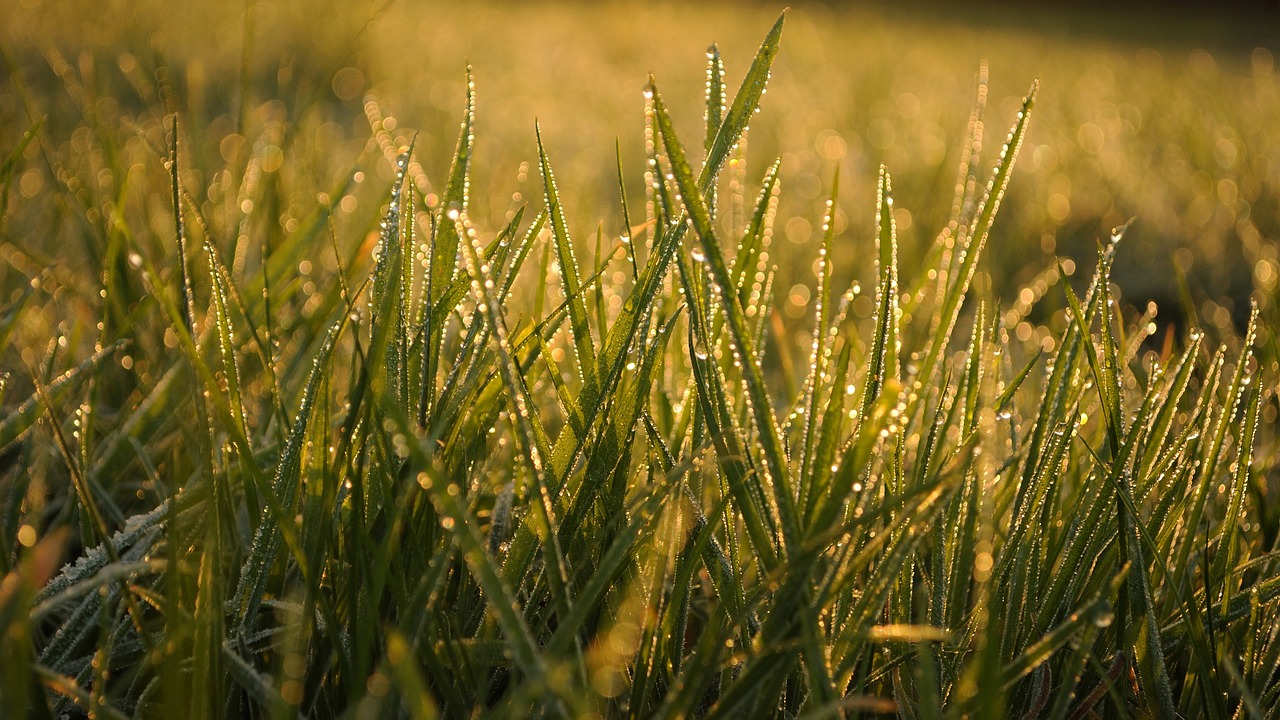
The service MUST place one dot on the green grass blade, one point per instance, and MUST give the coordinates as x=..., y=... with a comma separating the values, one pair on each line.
x=830, y=435
x=742, y=480
x=180, y=233
x=20, y=420
x=819, y=353
x=283, y=490
x=579, y=323
x=884, y=352
x=760, y=405
x=456, y=199
x=621, y=335
x=1207, y=471
x=1163, y=422
x=715, y=96
x=1139, y=599
x=976, y=238
x=744, y=104
x=532, y=445
x=226, y=339
x=1228, y=555
x=443, y=261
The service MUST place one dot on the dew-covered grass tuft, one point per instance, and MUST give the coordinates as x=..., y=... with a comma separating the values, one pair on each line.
x=370, y=453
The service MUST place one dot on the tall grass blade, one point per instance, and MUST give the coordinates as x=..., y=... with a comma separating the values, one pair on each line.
x=976, y=239
x=579, y=325
x=284, y=488
x=760, y=405
x=531, y=438
x=180, y=234
x=884, y=344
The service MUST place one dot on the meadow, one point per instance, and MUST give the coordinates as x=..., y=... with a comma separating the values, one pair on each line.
x=535, y=361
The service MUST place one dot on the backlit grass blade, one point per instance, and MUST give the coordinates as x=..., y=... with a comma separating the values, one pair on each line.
x=568, y=403
x=1229, y=548
x=627, y=241
x=1138, y=598
x=756, y=238
x=819, y=353
x=1265, y=591
x=442, y=263
x=21, y=419
x=602, y=261
x=1163, y=422
x=614, y=444
x=1207, y=470
x=456, y=199
x=744, y=104
x=1017, y=556
x=976, y=238
x=579, y=324
x=854, y=463
x=965, y=184
x=621, y=335
x=1006, y=396
x=715, y=96
x=385, y=306
x=250, y=589
x=884, y=345
x=1106, y=369
x=226, y=339
x=742, y=481
x=761, y=407
x=830, y=435
x=466, y=372
x=636, y=307
x=532, y=445
x=180, y=233
x=974, y=369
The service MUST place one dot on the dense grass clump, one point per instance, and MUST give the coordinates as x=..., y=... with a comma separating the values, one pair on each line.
x=444, y=469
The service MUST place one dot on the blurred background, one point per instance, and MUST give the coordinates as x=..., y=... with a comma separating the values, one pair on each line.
x=1167, y=114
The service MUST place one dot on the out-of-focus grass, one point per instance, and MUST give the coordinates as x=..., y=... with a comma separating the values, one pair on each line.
x=1166, y=118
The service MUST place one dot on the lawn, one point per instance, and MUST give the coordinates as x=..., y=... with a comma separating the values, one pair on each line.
x=391, y=361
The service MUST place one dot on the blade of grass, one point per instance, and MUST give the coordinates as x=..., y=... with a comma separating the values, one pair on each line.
x=579, y=324
x=757, y=396
x=976, y=239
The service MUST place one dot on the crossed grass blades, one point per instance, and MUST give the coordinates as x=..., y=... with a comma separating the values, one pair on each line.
x=490, y=478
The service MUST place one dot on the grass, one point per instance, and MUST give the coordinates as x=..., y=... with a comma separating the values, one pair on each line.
x=327, y=461
x=1121, y=82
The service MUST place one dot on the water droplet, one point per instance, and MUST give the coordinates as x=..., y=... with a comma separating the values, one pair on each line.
x=1104, y=617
